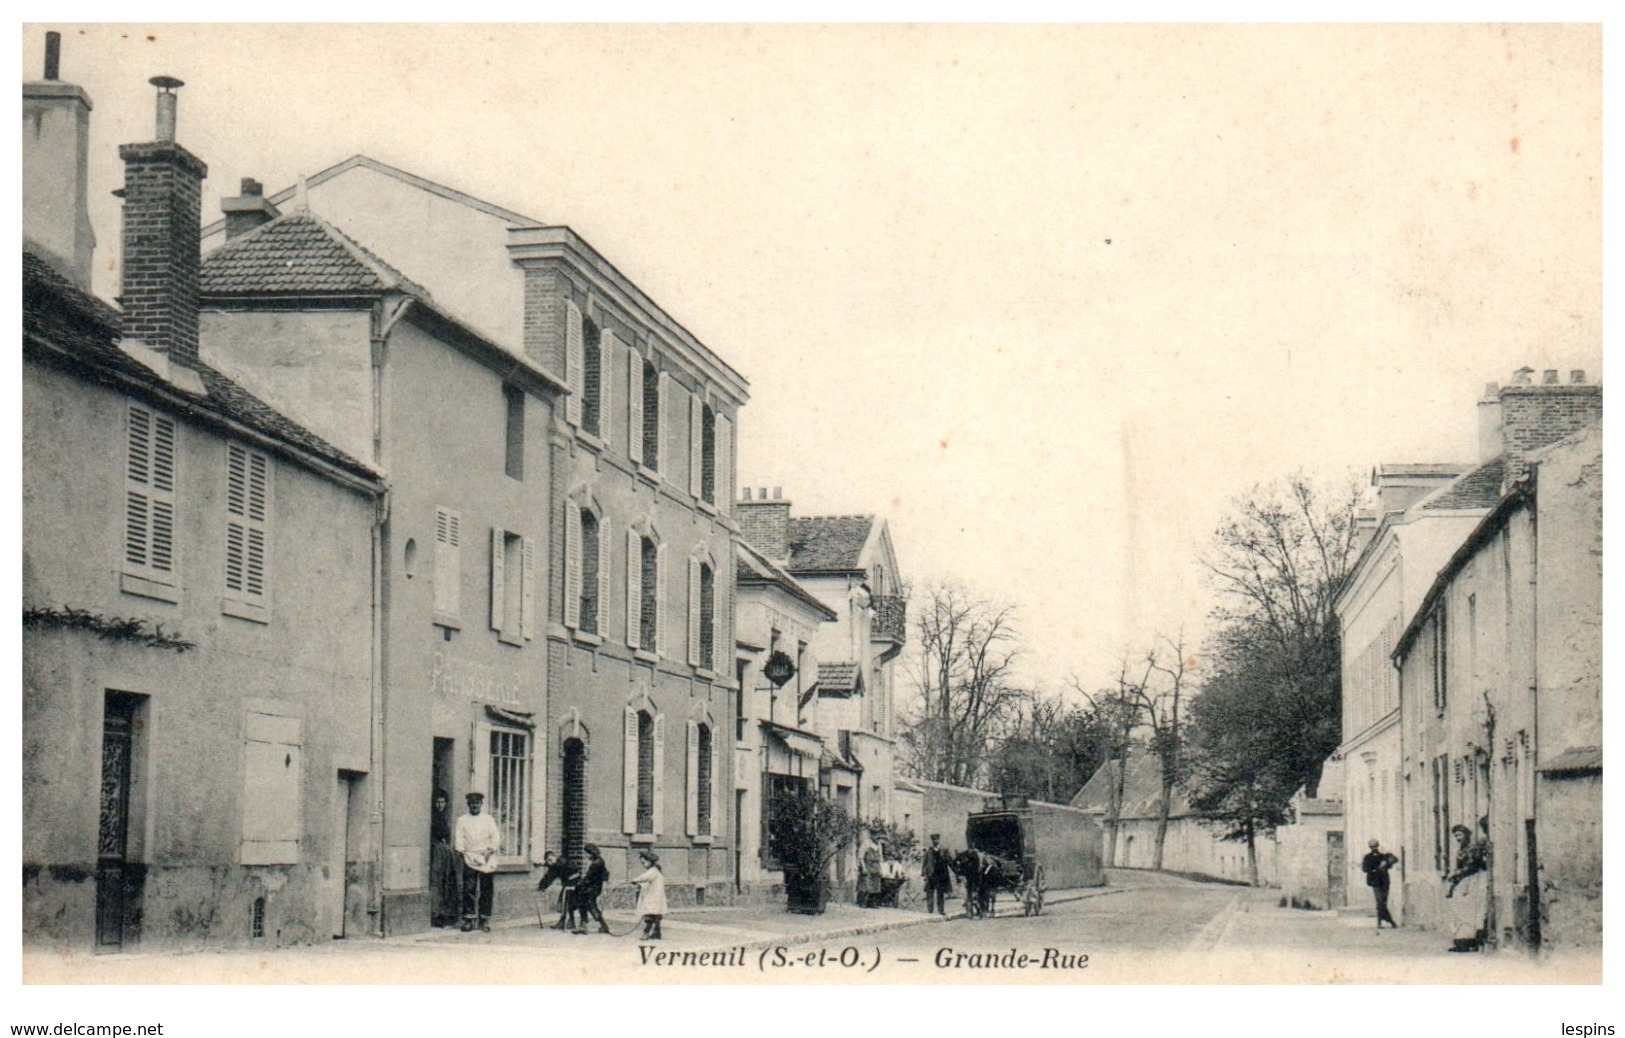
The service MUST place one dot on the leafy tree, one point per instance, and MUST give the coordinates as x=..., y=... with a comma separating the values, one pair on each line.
x=1270, y=713
x=1050, y=749
x=962, y=675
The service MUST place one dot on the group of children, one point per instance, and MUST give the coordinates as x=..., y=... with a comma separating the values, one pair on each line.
x=582, y=889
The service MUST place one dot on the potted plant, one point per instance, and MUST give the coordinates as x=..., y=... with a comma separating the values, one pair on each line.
x=808, y=831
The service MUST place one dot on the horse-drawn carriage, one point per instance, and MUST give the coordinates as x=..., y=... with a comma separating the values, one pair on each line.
x=1001, y=854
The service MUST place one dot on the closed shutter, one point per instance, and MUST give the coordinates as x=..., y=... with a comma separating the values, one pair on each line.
x=248, y=475
x=149, y=499
x=604, y=537
x=724, y=464
x=660, y=773
x=606, y=383
x=634, y=587
x=572, y=565
x=693, y=612
x=634, y=404
x=272, y=772
x=499, y=589
x=527, y=595
x=692, y=817
x=574, y=361
x=696, y=444
x=717, y=784
x=629, y=773
x=448, y=551
x=721, y=628
x=663, y=425
x=662, y=638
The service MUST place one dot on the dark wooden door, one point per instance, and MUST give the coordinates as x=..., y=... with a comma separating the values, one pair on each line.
x=117, y=883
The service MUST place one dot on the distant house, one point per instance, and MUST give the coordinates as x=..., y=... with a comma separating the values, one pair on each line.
x=849, y=565
x=1190, y=845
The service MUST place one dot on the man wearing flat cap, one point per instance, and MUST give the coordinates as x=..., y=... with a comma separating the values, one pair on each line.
x=478, y=840
x=939, y=878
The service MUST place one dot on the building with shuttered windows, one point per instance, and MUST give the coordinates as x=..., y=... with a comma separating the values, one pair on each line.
x=638, y=552
x=197, y=600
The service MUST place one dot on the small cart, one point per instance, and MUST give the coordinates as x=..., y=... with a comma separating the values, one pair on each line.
x=1003, y=831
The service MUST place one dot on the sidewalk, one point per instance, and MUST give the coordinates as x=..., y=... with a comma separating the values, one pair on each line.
x=752, y=927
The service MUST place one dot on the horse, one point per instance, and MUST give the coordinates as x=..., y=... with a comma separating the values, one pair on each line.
x=982, y=873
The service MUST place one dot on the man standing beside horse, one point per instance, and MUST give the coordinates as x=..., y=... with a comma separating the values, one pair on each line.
x=937, y=871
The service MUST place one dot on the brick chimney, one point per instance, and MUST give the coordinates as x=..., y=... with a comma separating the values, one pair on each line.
x=1521, y=418
x=248, y=210
x=163, y=207
x=56, y=170
x=764, y=523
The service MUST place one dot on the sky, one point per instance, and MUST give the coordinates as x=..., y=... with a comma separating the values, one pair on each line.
x=1047, y=298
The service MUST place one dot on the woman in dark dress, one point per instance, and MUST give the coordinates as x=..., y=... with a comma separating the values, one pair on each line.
x=443, y=863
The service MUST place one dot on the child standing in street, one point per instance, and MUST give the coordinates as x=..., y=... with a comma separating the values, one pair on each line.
x=651, y=895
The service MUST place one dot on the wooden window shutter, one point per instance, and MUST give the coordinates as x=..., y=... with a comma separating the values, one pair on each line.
x=149, y=500
x=660, y=773
x=606, y=383
x=575, y=362
x=448, y=541
x=663, y=426
x=724, y=464
x=527, y=595
x=721, y=630
x=604, y=537
x=629, y=772
x=662, y=639
x=696, y=444
x=572, y=565
x=717, y=784
x=634, y=587
x=248, y=488
x=693, y=612
x=691, y=823
x=499, y=588
x=634, y=404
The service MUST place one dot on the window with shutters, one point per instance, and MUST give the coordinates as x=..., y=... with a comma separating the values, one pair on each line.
x=248, y=509
x=703, y=754
x=272, y=770
x=592, y=569
x=646, y=773
x=702, y=615
x=150, y=551
x=708, y=455
x=592, y=381
x=651, y=416
x=514, y=403
x=448, y=568
x=649, y=600
x=513, y=586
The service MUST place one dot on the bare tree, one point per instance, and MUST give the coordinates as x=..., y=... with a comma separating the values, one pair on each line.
x=1157, y=701
x=1117, y=714
x=962, y=675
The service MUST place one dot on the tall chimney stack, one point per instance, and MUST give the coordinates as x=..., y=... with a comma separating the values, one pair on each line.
x=1533, y=415
x=56, y=170
x=765, y=523
x=163, y=199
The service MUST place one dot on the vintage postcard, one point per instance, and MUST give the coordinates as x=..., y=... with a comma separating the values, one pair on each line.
x=759, y=504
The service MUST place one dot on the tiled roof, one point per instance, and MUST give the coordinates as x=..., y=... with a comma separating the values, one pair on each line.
x=65, y=324
x=299, y=253
x=1142, y=788
x=752, y=568
x=1578, y=759
x=828, y=543
x=838, y=679
x=1480, y=488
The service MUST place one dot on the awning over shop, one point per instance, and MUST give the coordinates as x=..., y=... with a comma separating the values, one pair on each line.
x=1576, y=760
x=795, y=740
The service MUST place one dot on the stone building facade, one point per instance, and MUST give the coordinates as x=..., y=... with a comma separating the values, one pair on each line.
x=198, y=695
x=1501, y=696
